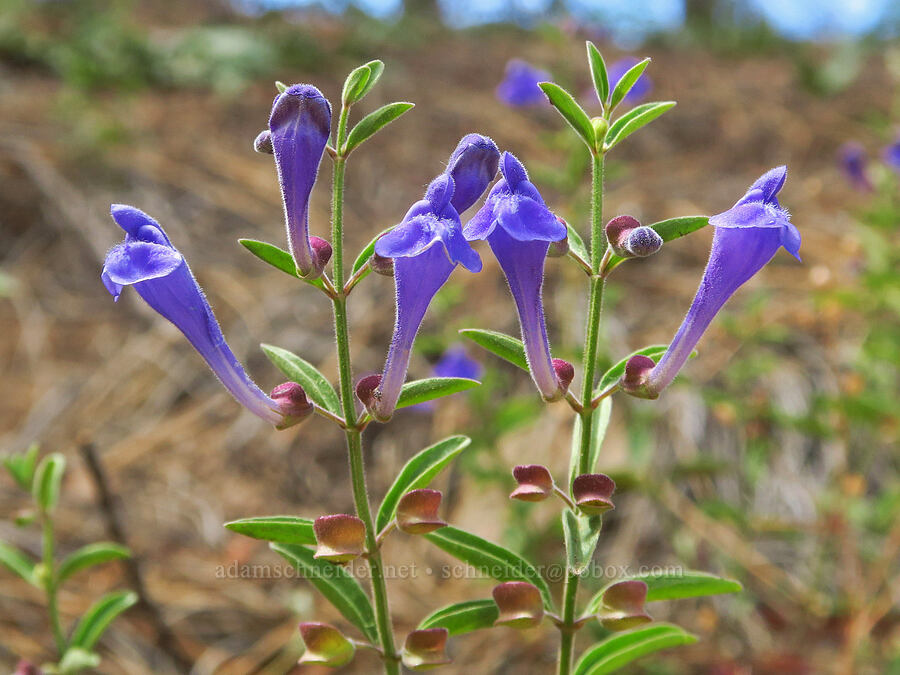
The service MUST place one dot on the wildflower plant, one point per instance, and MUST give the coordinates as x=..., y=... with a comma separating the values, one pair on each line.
x=421, y=252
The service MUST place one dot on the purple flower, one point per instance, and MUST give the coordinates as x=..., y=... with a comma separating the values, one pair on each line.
x=299, y=127
x=473, y=165
x=426, y=247
x=891, y=154
x=520, y=84
x=852, y=161
x=148, y=261
x=455, y=362
x=641, y=88
x=747, y=236
x=519, y=228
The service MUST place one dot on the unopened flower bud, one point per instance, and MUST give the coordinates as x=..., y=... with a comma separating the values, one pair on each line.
x=623, y=605
x=424, y=649
x=325, y=645
x=601, y=126
x=340, y=538
x=593, y=493
x=617, y=231
x=366, y=391
x=263, y=142
x=643, y=241
x=535, y=483
x=520, y=604
x=417, y=511
x=292, y=403
x=635, y=380
x=382, y=265
x=565, y=371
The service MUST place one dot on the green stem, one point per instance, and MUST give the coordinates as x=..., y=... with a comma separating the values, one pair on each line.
x=589, y=360
x=353, y=434
x=50, y=584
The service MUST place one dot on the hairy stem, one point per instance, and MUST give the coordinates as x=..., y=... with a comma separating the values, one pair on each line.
x=353, y=434
x=50, y=582
x=592, y=339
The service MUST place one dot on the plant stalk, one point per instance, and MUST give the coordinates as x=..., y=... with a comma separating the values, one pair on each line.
x=50, y=583
x=592, y=339
x=352, y=433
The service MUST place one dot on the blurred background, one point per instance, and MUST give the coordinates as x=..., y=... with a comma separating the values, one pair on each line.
x=772, y=460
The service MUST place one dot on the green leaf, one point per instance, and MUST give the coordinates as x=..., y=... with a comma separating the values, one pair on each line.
x=76, y=659
x=280, y=86
x=17, y=562
x=355, y=84
x=90, y=555
x=611, y=376
x=419, y=391
x=598, y=72
x=21, y=466
x=316, y=385
x=622, y=648
x=570, y=110
x=670, y=229
x=279, y=259
x=374, y=121
x=47, y=479
x=626, y=82
x=577, y=246
x=336, y=584
x=633, y=120
x=377, y=68
x=489, y=558
x=581, y=533
x=97, y=619
x=283, y=529
x=599, y=424
x=675, y=586
x=418, y=473
x=505, y=346
x=368, y=251
x=463, y=617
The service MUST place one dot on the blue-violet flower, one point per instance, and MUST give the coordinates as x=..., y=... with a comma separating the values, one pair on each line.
x=891, y=154
x=852, y=161
x=519, y=86
x=473, y=165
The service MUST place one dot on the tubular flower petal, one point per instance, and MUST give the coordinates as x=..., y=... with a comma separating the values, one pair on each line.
x=519, y=228
x=299, y=127
x=473, y=165
x=747, y=237
x=891, y=154
x=852, y=161
x=519, y=87
x=159, y=273
x=426, y=247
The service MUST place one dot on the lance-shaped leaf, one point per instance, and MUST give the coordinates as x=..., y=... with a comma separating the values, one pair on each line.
x=368, y=251
x=581, y=533
x=418, y=473
x=633, y=120
x=598, y=72
x=519, y=604
x=424, y=649
x=282, y=529
x=672, y=228
x=373, y=122
x=573, y=113
x=463, y=617
x=21, y=466
x=336, y=584
x=17, y=562
x=325, y=645
x=90, y=555
x=419, y=391
x=623, y=648
x=624, y=85
x=675, y=586
x=577, y=247
x=97, y=619
x=47, y=479
x=599, y=425
x=505, y=346
x=360, y=81
x=314, y=383
x=279, y=259
x=489, y=558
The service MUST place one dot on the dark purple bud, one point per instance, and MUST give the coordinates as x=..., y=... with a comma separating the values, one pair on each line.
x=424, y=649
x=325, y=645
x=24, y=667
x=340, y=538
x=520, y=604
x=623, y=605
x=381, y=265
x=617, y=232
x=367, y=391
x=643, y=241
x=417, y=512
x=535, y=483
x=636, y=379
x=321, y=253
x=292, y=403
x=593, y=493
x=565, y=371
x=561, y=247
x=473, y=165
x=263, y=142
